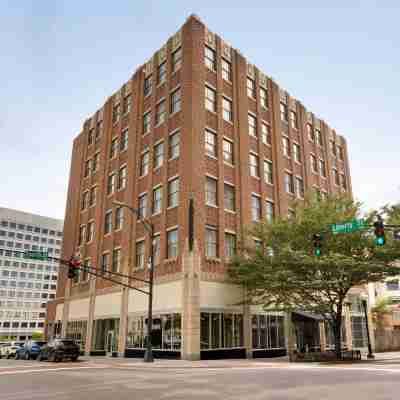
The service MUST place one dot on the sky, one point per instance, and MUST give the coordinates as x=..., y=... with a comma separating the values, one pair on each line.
x=60, y=60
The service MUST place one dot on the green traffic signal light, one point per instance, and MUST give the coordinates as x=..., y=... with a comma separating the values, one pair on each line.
x=317, y=251
x=380, y=241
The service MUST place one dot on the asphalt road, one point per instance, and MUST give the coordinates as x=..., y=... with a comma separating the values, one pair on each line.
x=115, y=379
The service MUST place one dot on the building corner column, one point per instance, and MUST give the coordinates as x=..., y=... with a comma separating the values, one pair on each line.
x=89, y=328
x=191, y=262
x=123, y=322
x=65, y=314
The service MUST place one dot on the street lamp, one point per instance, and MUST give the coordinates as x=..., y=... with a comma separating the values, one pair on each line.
x=370, y=354
x=148, y=355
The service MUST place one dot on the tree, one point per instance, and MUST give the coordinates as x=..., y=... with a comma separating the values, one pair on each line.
x=37, y=335
x=281, y=271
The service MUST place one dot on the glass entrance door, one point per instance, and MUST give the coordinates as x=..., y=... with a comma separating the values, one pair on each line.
x=110, y=345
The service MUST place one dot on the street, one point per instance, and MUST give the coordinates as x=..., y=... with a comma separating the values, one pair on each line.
x=105, y=378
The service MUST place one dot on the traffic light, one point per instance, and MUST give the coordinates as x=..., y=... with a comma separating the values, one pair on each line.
x=380, y=239
x=73, y=267
x=317, y=240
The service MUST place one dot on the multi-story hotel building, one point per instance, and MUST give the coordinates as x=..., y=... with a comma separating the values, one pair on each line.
x=197, y=122
x=26, y=285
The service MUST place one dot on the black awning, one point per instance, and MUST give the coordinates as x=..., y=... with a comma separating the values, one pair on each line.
x=306, y=315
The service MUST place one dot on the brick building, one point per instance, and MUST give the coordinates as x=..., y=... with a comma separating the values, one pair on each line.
x=197, y=121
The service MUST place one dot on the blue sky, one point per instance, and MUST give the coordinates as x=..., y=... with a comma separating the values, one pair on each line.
x=59, y=61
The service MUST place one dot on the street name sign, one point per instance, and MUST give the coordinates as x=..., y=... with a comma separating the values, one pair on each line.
x=348, y=227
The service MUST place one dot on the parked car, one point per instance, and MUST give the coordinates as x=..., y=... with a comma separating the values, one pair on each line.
x=9, y=350
x=31, y=349
x=58, y=349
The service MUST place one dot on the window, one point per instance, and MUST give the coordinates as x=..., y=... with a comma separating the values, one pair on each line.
x=174, y=145
x=264, y=98
x=116, y=260
x=140, y=247
x=122, y=178
x=90, y=136
x=86, y=267
x=318, y=137
x=211, y=242
x=160, y=112
x=284, y=112
x=343, y=182
x=211, y=191
x=156, y=249
x=157, y=200
x=119, y=218
x=251, y=88
x=111, y=184
x=147, y=85
x=253, y=163
x=211, y=143
x=336, y=177
x=92, y=196
x=340, y=152
x=95, y=165
x=176, y=101
x=255, y=208
x=172, y=243
x=84, y=203
x=116, y=113
x=90, y=232
x=173, y=192
x=210, y=58
x=286, y=146
x=146, y=122
x=252, y=121
x=313, y=162
x=88, y=168
x=82, y=234
x=142, y=206
x=332, y=147
x=227, y=149
x=113, y=148
x=162, y=73
x=226, y=70
x=127, y=104
x=293, y=120
x=296, y=153
x=176, y=59
x=269, y=211
x=289, y=183
x=310, y=132
x=322, y=168
x=227, y=113
x=99, y=129
x=265, y=134
x=299, y=188
x=229, y=197
x=104, y=262
x=210, y=99
x=123, y=144
x=230, y=245
x=158, y=155
x=144, y=164
x=393, y=285
x=268, y=176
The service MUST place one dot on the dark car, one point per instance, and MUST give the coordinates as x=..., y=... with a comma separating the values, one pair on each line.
x=58, y=349
x=31, y=349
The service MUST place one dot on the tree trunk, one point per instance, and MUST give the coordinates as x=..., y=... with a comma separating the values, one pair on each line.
x=337, y=330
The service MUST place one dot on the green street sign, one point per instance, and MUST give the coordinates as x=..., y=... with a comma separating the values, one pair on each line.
x=36, y=255
x=348, y=227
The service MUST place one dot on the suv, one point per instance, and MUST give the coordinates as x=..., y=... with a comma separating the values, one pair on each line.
x=30, y=350
x=58, y=349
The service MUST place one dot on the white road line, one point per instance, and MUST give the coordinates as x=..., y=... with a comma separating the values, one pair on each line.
x=28, y=371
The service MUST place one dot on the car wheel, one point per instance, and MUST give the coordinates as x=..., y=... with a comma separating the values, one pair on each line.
x=52, y=357
x=27, y=356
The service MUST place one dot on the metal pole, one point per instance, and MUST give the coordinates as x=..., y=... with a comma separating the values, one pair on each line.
x=370, y=355
x=148, y=355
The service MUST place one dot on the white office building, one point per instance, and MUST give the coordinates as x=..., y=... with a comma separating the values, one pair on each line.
x=25, y=284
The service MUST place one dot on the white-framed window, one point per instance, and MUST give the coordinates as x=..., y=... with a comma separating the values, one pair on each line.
x=210, y=58
x=116, y=260
x=318, y=137
x=322, y=168
x=286, y=146
x=142, y=206
x=160, y=112
x=227, y=151
x=96, y=159
x=310, y=132
x=211, y=191
x=158, y=155
x=230, y=245
x=173, y=192
x=264, y=97
x=144, y=163
x=85, y=200
x=108, y=222
x=156, y=249
x=293, y=119
x=211, y=239
x=227, y=111
x=172, y=243
x=269, y=211
x=252, y=122
x=140, y=254
x=254, y=165
x=116, y=113
x=296, y=152
x=336, y=177
x=268, y=173
x=111, y=183
x=176, y=59
x=226, y=70
x=210, y=99
x=289, y=182
x=229, y=197
x=105, y=261
x=146, y=122
x=343, y=181
x=148, y=85
x=122, y=178
x=210, y=143
x=173, y=143
x=127, y=104
x=82, y=234
x=175, y=101
x=314, y=165
x=113, y=147
x=157, y=200
x=284, y=112
x=251, y=88
x=161, y=73
x=255, y=208
x=119, y=218
x=265, y=133
x=90, y=232
x=123, y=144
x=299, y=187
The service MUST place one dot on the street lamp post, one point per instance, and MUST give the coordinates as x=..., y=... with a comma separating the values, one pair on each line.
x=370, y=354
x=148, y=355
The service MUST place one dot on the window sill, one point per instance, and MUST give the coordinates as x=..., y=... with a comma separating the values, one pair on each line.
x=213, y=259
x=211, y=111
x=211, y=156
x=173, y=158
x=142, y=176
x=229, y=164
x=255, y=177
x=228, y=82
x=159, y=124
x=171, y=260
x=156, y=169
x=211, y=70
x=160, y=84
x=211, y=205
x=228, y=121
x=174, y=113
x=147, y=95
x=230, y=211
x=145, y=133
x=155, y=214
x=172, y=207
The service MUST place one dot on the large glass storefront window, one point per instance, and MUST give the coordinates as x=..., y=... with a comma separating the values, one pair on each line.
x=359, y=331
x=268, y=331
x=330, y=336
x=166, y=332
x=105, y=334
x=77, y=330
x=221, y=330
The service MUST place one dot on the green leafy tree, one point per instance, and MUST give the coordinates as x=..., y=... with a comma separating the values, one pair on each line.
x=37, y=335
x=281, y=271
